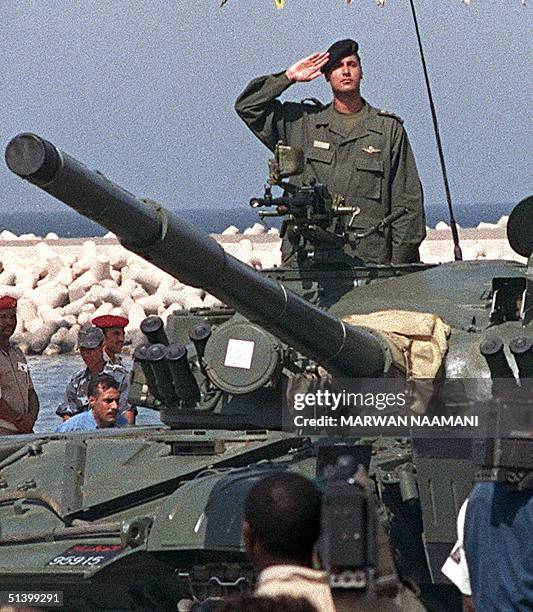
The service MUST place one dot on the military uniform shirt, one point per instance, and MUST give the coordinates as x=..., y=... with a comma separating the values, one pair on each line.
x=15, y=382
x=76, y=393
x=372, y=166
x=117, y=358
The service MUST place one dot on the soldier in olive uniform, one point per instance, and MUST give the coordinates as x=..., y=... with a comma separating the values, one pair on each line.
x=357, y=151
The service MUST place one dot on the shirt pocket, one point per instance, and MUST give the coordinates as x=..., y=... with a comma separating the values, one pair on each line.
x=324, y=156
x=369, y=176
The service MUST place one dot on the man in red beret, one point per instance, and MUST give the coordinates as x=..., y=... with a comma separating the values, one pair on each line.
x=114, y=335
x=113, y=328
x=19, y=405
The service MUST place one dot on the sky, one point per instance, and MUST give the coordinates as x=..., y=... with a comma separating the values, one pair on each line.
x=144, y=90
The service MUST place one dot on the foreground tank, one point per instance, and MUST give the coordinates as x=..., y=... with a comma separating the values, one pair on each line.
x=146, y=517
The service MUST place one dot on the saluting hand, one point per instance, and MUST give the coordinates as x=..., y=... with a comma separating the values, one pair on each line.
x=307, y=68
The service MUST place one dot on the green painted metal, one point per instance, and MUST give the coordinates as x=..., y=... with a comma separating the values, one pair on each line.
x=162, y=505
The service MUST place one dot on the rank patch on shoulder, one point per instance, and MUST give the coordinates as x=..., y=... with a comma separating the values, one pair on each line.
x=371, y=150
x=389, y=114
x=321, y=145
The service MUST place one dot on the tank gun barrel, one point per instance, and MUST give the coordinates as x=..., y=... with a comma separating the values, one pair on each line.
x=196, y=259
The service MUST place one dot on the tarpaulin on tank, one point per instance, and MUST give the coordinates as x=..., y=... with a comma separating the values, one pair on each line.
x=418, y=340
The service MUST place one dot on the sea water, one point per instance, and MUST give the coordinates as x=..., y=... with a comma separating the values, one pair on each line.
x=69, y=224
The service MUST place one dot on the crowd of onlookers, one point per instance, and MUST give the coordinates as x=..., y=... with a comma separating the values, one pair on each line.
x=95, y=397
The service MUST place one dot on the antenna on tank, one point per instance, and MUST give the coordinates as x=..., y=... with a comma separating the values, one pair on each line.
x=458, y=255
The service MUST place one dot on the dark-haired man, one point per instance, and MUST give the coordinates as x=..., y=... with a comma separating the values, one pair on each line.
x=282, y=524
x=355, y=150
x=104, y=398
x=113, y=328
x=90, y=345
x=19, y=405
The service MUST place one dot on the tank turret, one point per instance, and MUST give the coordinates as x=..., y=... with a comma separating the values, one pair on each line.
x=219, y=377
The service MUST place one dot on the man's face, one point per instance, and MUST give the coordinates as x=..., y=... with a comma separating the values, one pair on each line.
x=8, y=323
x=105, y=406
x=114, y=339
x=93, y=358
x=346, y=76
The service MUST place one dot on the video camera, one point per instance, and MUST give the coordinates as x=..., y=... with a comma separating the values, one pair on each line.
x=355, y=551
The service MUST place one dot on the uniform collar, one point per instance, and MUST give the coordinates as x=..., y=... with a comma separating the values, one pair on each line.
x=117, y=359
x=371, y=122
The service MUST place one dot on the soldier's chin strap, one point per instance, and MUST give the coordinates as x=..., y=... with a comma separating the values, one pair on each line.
x=458, y=255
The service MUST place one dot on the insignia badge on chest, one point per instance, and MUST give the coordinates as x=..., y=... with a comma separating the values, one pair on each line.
x=371, y=150
x=321, y=145
x=23, y=367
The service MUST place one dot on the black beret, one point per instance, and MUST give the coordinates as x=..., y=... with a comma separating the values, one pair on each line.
x=338, y=51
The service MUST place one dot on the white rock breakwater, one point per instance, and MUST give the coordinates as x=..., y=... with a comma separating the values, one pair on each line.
x=61, y=284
